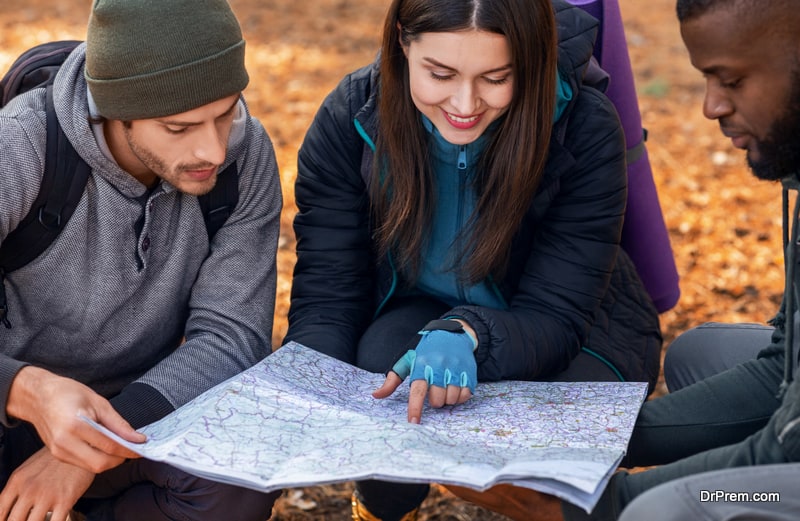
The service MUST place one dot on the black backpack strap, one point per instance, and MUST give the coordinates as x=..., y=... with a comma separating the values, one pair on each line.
x=63, y=182
x=218, y=204
x=35, y=67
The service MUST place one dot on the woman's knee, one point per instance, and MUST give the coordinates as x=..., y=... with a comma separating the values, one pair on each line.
x=395, y=331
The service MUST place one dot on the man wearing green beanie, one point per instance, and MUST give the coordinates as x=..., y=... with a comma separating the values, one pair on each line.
x=135, y=308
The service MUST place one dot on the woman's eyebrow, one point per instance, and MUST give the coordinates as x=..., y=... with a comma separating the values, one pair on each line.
x=437, y=63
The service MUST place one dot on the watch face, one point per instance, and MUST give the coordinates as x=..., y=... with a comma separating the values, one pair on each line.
x=444, y=325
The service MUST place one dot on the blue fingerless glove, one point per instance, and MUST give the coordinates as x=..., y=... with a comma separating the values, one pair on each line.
x=441, y=358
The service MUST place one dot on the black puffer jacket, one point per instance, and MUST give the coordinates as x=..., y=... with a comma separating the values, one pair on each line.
x=569, y=286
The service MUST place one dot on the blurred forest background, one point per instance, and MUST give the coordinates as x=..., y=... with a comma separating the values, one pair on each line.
x=725, y=226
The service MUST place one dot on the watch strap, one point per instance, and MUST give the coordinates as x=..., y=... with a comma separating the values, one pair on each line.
x=452, y=326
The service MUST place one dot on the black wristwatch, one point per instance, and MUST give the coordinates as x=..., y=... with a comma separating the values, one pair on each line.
x=452, y=326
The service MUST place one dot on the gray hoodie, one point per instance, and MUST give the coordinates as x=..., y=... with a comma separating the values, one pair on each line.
x=133, y=274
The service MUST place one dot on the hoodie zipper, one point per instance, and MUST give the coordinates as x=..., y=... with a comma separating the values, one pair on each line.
x=461, y=165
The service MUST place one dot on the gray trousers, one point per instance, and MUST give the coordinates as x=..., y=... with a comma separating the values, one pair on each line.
x=710, y=349
x=715, y=441
x=763, y=493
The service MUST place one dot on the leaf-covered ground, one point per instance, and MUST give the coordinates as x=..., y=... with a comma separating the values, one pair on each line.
x=724, y=225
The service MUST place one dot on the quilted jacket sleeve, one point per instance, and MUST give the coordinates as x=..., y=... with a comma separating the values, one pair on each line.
x=332, y=285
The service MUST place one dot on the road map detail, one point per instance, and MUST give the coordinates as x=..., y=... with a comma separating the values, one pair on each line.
x=300, y=418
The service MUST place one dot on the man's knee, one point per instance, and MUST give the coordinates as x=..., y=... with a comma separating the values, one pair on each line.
x=144, y=489
x=667, y=502
x=242, y=504
x=191, y=497
x=712, y=348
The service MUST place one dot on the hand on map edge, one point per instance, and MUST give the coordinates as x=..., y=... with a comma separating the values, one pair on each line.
x=54, y=404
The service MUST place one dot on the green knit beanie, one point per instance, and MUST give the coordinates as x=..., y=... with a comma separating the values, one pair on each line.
x=154, y=58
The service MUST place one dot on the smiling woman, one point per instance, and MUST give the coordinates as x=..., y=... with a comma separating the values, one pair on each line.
x=461, y=81
x=460, y=206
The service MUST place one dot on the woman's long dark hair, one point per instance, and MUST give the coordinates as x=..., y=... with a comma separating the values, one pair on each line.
x=513, y=162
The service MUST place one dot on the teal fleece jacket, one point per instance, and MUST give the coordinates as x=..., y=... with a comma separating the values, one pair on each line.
x=454, y=169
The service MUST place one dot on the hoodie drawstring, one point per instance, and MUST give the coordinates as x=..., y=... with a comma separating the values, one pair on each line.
x=789, y=305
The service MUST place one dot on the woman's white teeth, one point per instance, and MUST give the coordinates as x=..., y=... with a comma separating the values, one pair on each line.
x=459, y=119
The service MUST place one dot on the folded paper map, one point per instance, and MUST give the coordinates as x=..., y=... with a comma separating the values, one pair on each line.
x=300, y=418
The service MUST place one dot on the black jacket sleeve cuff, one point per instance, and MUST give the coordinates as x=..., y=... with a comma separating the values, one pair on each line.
x=141, y=405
